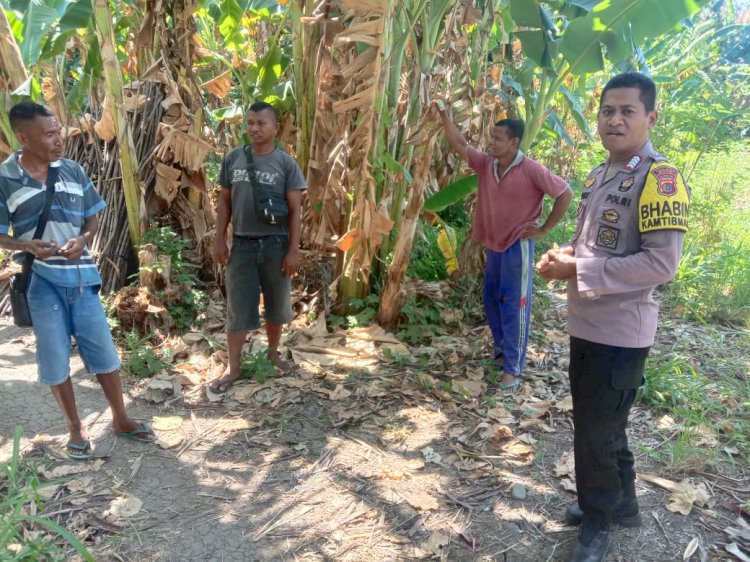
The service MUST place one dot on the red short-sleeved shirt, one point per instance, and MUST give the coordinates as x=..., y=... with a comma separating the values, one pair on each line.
x=504, y=209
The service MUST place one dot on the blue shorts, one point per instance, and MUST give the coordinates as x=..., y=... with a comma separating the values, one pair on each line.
x=61, y=312
x=254, y=267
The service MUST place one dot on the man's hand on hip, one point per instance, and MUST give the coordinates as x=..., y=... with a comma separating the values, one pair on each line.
x=533, y=233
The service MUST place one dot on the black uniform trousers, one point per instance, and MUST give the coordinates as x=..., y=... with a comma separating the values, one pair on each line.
x=603, y=381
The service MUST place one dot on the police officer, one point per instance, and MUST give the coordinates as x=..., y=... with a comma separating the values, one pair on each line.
x=631, y=223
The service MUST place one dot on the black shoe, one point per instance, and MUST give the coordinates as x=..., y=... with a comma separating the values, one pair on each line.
x=625, y=514
x=592, y=544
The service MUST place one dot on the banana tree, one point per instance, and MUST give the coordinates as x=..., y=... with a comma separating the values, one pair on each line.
x=704, y=83
x=114, y=105
x=415, y=140
x=244, y=55
x=32, y=34
x=560, y=45
x=14, y=75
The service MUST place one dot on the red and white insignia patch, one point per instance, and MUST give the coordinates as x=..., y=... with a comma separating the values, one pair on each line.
x=666, y=177
x=633, y=163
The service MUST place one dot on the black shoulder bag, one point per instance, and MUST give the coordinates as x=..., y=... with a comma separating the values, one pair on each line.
x=270, y=205
x=19, y=282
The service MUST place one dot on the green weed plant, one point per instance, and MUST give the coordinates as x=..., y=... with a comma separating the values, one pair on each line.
x=420, y=320
x=141, y=358
x=185, y=309
x=256, y=365
x=19, y=489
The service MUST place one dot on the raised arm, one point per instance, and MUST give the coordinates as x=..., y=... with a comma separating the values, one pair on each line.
x=455, y=138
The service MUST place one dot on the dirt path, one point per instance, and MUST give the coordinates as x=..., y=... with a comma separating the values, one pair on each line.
x=373, y=462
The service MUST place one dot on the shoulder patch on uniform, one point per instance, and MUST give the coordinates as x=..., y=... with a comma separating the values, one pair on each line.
x=589, y=182
x=665, y=202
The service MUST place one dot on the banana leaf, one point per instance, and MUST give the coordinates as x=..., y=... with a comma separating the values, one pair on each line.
x=451, y=193
x=618, y=24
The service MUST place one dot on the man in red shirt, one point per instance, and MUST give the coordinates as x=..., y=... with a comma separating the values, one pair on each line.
x=510, y=199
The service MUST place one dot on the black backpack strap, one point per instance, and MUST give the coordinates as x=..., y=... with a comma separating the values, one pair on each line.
x=52, y=176
x=250, y=165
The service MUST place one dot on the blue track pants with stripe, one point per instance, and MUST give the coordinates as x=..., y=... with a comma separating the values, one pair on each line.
x=507, y=302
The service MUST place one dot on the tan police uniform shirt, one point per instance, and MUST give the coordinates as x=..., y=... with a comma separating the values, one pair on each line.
x=628, y=240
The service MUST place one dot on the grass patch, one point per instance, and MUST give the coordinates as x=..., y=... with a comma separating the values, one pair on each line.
x=709, y=403
x=670, y=382
x=24, y=536
x=713, y=281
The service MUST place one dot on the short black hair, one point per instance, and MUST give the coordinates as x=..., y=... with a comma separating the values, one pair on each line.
x=633, y=80
x=26, y=111
x=259, y=106
x=515, y=127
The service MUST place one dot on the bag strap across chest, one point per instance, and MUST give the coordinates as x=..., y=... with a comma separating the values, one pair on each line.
x=52, y=176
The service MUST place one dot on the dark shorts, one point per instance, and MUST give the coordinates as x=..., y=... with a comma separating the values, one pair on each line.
x=254, y=267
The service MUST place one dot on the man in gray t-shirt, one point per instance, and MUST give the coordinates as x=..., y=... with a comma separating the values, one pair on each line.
x=264, y=256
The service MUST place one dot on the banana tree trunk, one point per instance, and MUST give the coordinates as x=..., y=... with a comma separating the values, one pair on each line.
x=367, y=223
x=10, y=55
x=114, y=104
x=392, y=298
x=14, y=69
x=305, y=41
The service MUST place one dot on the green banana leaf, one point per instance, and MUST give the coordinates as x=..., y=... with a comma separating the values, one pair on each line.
x=618, y=24
x=451, y=193
x=37, y=21
x=269, y=69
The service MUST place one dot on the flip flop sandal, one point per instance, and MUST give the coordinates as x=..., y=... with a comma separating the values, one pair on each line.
x=145, y=428
x=509, y=389
x=84, y=451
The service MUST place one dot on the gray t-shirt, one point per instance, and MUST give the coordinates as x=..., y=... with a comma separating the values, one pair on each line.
x=277, y=169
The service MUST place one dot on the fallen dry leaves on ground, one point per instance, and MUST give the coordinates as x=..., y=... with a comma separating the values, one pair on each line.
x=421, y=428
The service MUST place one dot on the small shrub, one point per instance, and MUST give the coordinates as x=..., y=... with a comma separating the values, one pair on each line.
x=190, y=299
x=365, y=311
x=420, y=322
x=258, y=365
x=141, y=359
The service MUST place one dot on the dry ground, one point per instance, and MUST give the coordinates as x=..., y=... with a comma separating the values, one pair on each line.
x=356, y=456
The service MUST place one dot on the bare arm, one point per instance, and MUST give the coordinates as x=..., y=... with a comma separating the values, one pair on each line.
x=455, y=138
x=224, y=214
x=40, y=248
x=561, y=204
x=290, y=266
